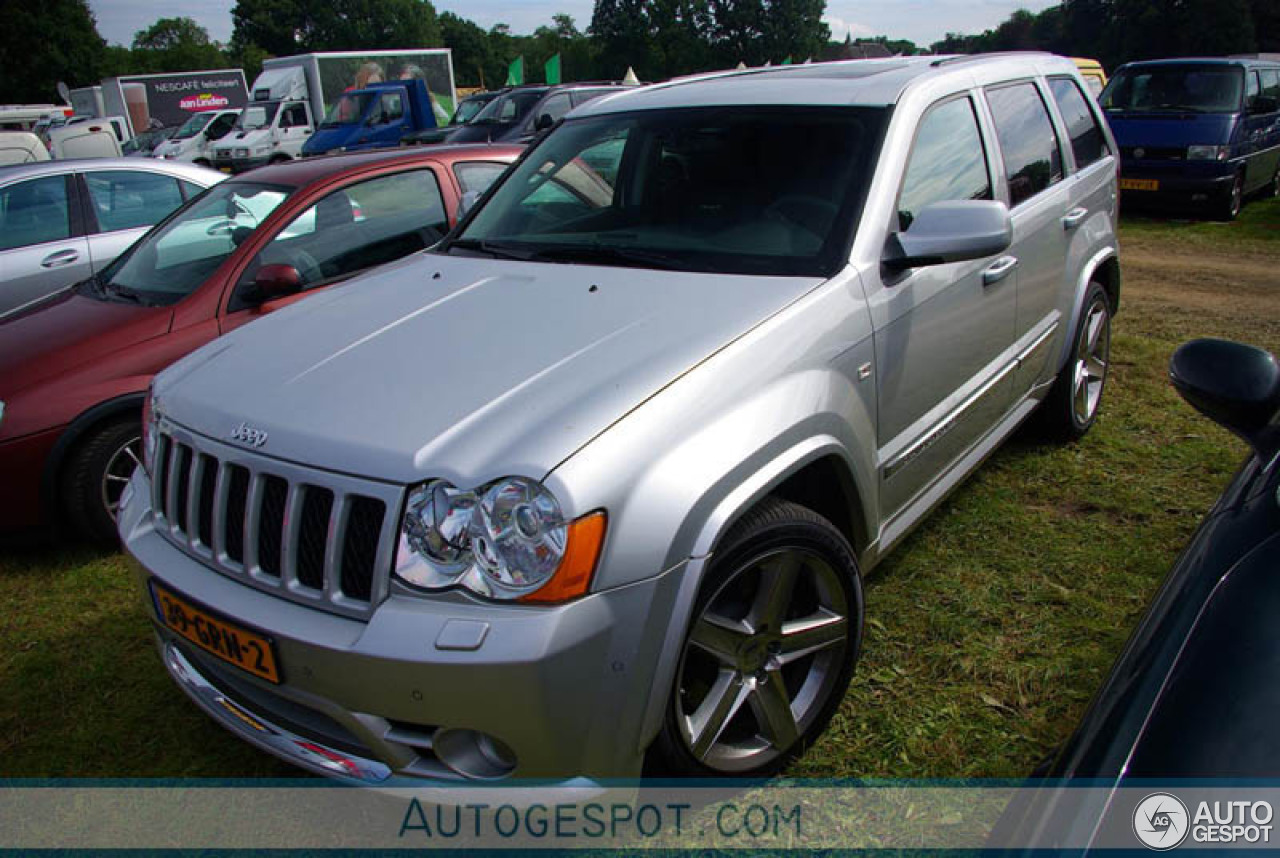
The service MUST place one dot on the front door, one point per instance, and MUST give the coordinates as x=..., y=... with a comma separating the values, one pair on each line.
x=42, y=245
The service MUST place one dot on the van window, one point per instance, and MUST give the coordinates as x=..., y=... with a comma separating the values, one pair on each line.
x=124, y=199
x=391, y=109
x=34, y=212
x=1192, y=88
x=947, y=161
x=1270, y=82
x=1029, y=145
x=294, y=116
x=1252, y=87
x=1082, y=128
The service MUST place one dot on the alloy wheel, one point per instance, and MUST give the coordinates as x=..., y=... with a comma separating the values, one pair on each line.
x=118, y=472
x=1093, y=350
x=762, y=660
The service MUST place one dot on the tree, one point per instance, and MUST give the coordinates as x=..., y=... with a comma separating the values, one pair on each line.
x=48, y=41
x=175, y=44
x=283, y=27
x=474, y=63
x=621, y=28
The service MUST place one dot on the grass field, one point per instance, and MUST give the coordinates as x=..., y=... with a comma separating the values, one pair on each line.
x=989, y=629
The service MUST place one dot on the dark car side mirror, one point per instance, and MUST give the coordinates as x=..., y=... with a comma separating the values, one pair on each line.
x=953, y=231
x=1264, y=104
x=1234, y=385
x=274, y=281
x=544, y=122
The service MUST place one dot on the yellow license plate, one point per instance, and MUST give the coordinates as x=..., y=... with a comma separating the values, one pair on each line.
x=1139, y=185
x=226, y=170
x=234, y=644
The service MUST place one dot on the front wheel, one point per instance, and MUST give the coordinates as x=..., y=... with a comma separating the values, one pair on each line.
x=776, y=631
x=95, y=476
x=1229, y=208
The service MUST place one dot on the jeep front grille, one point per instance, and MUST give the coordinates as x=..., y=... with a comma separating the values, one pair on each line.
x=309, y=536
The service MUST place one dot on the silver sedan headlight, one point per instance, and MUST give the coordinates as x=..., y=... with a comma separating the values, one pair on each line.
x=506, y=540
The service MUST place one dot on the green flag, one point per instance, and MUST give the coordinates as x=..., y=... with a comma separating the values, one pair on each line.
x=515, y=72
x=787, y=61
x=552, y=69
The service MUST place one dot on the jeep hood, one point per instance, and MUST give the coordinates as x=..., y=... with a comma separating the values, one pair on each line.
x=462, y=368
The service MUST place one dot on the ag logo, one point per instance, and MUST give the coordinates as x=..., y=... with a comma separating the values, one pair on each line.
x=1160, y=821
x=246, y=434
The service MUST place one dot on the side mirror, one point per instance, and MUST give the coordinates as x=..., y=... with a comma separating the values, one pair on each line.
x=274, y=281
x=1234, y=385
x=1264, y=104
x=953, y=231
x=468, y=200
x=544, y=122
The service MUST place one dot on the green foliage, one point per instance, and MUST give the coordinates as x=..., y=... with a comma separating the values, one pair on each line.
x=284, y=27
x=46, y=41
x=175, y=44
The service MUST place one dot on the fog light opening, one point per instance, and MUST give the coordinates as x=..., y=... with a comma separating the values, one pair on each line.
x=473, y=754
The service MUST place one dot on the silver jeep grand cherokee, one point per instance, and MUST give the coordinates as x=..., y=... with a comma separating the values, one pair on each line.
x=597, y=478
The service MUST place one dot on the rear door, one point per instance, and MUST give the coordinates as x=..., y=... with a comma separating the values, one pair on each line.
x=42, y=243
x=1039, y=200
x=122, y=205
x=1262, y=127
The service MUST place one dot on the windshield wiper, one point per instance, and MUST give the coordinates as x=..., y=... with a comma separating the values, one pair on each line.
x=496, y=249
x=610, y=254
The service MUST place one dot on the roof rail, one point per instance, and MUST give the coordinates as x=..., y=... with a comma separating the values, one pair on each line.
x=960, y=58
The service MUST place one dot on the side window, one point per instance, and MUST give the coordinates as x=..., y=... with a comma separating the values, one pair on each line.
x=1028, y=143
x=34, y=212
x=555, y=107
x=391, y=109
x=947, y=161
x=1252, y=87
x=582, y=96
x=220, y=126
x=123, y=199
x=477, y=175
x=1082, y=126
x=1271, y=83
x=190, y=189
x=357, y=227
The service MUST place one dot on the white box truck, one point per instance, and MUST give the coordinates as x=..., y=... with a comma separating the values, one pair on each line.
x=293, y=96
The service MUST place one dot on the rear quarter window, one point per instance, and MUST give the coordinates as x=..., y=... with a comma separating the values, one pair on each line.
x=1087, y=143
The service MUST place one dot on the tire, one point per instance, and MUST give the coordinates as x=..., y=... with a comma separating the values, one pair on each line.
x=1230, y=205
x=95, y=473
x=1072, y=406
x=201, y=162
x=777, y=682
x=279, y=159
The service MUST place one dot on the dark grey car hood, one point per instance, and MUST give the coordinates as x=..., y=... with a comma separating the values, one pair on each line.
x=462, y=368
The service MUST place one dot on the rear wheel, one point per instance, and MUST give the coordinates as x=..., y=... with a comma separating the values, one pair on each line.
x=1071, y=408
x=776, y=631
x=96, y=474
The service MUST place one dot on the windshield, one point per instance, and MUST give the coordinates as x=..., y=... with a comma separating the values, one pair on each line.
x=348, y=110
x=257, y=115
x=172, y=261
x=511, y=107
x=193, y=126
x=466, y=111
x=1193, y=88
x=731, y=190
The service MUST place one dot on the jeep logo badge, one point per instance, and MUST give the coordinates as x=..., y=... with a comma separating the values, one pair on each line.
x=246, y=434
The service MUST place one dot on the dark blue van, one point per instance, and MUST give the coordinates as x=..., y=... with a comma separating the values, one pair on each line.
x=1198, y=135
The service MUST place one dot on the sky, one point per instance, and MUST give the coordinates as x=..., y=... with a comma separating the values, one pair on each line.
x=921, y=21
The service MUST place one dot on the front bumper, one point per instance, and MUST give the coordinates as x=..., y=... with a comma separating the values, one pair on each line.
x=1180, y=185
x=565, y=687
x=239, y=165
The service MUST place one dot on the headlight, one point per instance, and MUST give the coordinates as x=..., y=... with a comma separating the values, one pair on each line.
x=1206, y=153
x=505, y=540
x=150, y=429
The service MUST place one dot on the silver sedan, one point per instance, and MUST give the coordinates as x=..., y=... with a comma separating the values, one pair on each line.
x=64, y=221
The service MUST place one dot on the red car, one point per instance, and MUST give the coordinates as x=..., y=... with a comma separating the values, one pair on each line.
x=74, y=369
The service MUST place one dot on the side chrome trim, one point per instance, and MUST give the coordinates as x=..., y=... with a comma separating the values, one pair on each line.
x=924, y=442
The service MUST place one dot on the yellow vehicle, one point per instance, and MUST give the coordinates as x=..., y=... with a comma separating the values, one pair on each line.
x=1091, y=71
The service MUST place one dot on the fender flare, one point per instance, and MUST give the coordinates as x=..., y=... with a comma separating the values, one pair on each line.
x=71, y=435
x=716, y=524
x=1095, y=262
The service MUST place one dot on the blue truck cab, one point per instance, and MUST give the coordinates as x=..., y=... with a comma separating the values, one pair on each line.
x=375, y=117
x=1198, y=135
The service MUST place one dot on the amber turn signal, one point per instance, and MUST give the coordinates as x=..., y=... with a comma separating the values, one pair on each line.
x=573, y=577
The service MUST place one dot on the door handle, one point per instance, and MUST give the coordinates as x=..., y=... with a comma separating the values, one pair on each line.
x=1075, y=217
x=60, y=258
x=998, y=270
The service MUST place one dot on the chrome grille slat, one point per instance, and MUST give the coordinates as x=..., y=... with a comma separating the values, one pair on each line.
x=327, y=539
